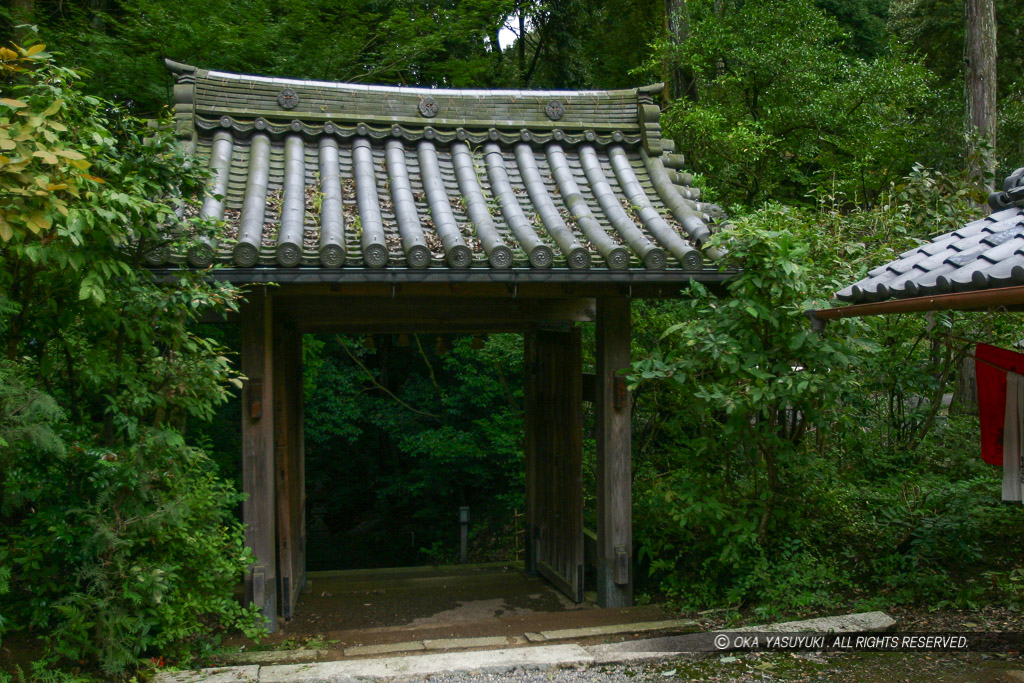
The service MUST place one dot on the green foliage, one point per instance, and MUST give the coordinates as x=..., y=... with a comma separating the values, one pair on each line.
x=759, y=381
x=878, y=496
x=783, y=108
x=72, y=285
x=399, y=436
x=117, y=541
x=441, y=44
x=143, y=561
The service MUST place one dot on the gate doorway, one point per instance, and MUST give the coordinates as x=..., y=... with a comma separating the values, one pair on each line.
x=382, y=209
x=402, y=431
x=272, y=328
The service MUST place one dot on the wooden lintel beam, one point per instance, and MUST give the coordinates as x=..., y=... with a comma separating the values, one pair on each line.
x=400, y=328
x=498, y=290
x=325, y=313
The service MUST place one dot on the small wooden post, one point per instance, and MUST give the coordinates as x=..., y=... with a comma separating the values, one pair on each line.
x=614, y=466
x=258, y=512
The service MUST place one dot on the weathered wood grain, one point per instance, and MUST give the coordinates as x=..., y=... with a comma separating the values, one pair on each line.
x=614, y=467
x=555, y=459
x=258, y=510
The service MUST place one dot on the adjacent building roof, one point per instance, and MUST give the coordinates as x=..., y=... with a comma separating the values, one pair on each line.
x=347, y=178
x=984, y=254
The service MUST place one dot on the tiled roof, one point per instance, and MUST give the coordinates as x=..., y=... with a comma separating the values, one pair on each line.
x=983, y=254
x=345, y=176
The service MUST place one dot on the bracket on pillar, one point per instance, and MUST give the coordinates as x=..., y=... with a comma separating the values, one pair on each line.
x=620, y=395
x=259, y=585
x=255, y=393
x=621, y=565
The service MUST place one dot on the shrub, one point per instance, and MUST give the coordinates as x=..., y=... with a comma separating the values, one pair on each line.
x=117, y=554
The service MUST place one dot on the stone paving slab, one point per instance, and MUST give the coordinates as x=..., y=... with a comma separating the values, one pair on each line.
x=465, y=643
x=611, y=629
x=539, y=658
x=220, y=674
x=670, y=646
x=861, y=622
x=274, y=656
x=506, y=660
x=384, y=648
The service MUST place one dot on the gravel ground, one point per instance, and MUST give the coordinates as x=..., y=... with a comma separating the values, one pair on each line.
x=779, y=667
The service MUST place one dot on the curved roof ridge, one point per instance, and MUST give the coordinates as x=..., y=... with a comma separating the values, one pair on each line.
x=414, y=90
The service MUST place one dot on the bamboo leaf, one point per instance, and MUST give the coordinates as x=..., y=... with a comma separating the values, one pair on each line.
x=13, y=104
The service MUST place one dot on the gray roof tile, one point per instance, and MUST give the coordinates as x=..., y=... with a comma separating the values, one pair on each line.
x=988, y=252
x=335, y=175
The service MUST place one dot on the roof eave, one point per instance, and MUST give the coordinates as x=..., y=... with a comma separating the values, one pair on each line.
x=978, y=300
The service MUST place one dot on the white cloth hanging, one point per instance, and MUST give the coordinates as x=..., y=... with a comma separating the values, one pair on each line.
x=1013, y=438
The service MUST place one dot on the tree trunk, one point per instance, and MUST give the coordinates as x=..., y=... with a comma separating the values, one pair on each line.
x=980, y=87
x=965, y=393
x=680, y=80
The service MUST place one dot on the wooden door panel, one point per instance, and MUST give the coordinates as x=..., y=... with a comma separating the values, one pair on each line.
x=555, y=459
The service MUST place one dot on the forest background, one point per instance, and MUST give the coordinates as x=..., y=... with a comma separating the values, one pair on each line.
x=776, y=471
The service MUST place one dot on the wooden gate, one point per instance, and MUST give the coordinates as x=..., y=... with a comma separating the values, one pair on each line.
x=554, y=459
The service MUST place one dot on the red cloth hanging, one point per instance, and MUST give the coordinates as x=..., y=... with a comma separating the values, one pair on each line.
x=992, y=396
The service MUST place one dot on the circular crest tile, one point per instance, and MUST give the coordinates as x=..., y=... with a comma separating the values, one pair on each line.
x=428, y=107
x=297, y=126
x=225, y=122
x=287, y=99
x=555, y=110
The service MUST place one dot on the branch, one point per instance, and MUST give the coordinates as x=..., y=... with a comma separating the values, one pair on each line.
x=380, y=386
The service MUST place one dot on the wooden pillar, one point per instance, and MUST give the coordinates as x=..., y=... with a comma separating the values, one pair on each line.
x=258, y=512
x=300, y=424
x=530, y=448
x=614, y=466
x=288, y=465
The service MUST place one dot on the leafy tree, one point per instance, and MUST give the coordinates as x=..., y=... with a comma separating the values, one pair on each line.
x=782, y=109
x=88, y=194
x=401, y=42
x=428, y=424
x=759, y=381
x=116, y=539
x=863, y=442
